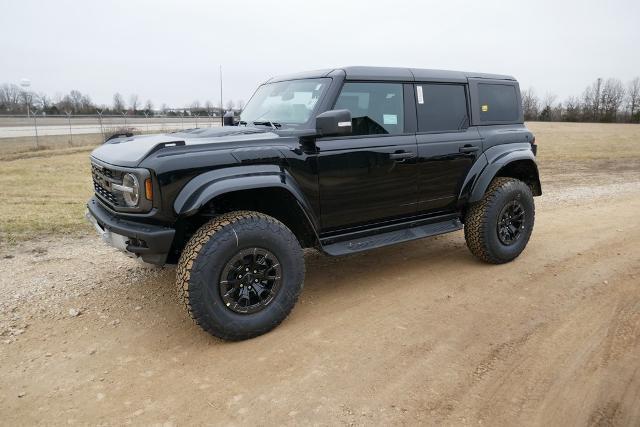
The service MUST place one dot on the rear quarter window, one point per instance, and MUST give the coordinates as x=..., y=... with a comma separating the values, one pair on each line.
x=498, y=103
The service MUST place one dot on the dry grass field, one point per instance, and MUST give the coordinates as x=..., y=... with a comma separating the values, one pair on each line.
x=44, y=194
x=577, y=142
x=414, y=334
x=13, y=147
x=45, y=191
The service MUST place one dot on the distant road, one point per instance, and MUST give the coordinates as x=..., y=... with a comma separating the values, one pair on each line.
x=11, y=127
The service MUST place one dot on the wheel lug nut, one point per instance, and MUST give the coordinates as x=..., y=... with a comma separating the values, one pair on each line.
x=239, y=276
x=255, y=271
x=256, y=280
x=246, y=269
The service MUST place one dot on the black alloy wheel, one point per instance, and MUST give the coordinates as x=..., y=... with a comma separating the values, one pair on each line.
x=511, y=222
x=250, y=280
x=240, y=274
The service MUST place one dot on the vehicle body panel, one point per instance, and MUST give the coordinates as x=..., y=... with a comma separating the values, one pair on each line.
x=497, y=158
x=366, y=183
x=360, y=181
x=443, y=167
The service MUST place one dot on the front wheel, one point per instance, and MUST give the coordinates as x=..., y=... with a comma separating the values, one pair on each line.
x=240, y=275
x=497, y=228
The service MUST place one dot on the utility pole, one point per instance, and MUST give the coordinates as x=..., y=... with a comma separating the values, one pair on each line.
x=597, y=100
x=35, y=125
x=68, y=113
x=26, y=83
x=221, y=112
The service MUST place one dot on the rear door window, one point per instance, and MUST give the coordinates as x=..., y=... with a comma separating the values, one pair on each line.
x=441, y=107
x=498, y=103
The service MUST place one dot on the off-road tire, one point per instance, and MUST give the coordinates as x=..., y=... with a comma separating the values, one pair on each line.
x=207, y=252
x=481, y=221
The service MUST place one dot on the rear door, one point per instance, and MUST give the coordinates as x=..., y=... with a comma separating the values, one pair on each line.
x=372, y=174
x=447, y=146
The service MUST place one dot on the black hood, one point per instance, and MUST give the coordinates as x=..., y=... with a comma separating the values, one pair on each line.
x=130, y=151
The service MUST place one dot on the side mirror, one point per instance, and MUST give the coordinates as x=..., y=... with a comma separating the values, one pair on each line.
x=334, y=123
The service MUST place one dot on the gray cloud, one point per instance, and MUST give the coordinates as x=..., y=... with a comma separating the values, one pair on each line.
x=170, y=51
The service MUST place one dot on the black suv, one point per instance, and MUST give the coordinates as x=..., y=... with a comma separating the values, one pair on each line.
x=342, y=160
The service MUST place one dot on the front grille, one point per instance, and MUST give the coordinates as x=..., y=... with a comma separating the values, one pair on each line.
x=105, y=194
x=102, y=179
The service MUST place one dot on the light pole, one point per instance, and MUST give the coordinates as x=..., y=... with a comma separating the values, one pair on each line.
x=221, y=112
x=35, y=125
x=68, y=113
x=26, y=83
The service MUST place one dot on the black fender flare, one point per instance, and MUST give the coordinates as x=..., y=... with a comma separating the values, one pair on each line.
x=495, y=159
x=209, y=185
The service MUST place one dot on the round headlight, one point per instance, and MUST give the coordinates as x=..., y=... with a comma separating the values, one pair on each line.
x=131, y=193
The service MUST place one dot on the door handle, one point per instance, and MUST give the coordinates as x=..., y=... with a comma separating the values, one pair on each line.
x=468, y=149
x=402, y=156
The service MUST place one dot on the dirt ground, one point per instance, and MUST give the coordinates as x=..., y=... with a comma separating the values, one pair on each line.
x=419, y=333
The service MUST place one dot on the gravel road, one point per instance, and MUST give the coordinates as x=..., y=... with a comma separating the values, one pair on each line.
x=414, y=333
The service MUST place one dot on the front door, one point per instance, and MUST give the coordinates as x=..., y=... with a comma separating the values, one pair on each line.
x=447, y=146
x=371, y=175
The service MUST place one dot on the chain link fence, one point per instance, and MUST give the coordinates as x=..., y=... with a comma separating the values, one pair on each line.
x=20, y=133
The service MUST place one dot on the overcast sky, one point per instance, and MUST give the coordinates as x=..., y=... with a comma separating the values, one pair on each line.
x=170, y=51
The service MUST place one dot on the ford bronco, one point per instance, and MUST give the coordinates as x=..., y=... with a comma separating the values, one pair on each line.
x=341, y=160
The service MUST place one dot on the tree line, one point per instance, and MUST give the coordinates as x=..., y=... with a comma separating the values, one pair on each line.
x=17, y=100
x=603, y=101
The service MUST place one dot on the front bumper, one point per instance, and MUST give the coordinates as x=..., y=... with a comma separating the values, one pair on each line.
x=151, y=243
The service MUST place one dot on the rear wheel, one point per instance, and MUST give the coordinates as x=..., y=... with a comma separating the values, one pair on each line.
x=240, y=275
x=498, y=227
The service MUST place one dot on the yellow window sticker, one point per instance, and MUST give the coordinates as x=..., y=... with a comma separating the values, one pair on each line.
x=485, y=108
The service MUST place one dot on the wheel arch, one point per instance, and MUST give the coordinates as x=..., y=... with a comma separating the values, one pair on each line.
x=268, y=190
x=517, y=162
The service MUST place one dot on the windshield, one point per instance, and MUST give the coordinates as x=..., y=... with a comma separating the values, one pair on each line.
x=284, y=103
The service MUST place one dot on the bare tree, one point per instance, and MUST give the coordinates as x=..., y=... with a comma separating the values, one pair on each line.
x=557, y=112
x=633, y=98
x=209, y=107
x=530, y=104
x=86, y=104
x=611, y=99
x=10, y=97
x=240, y=104
x=164, y=109
x=148, y=106
x=591, y=109
x=44, y=102
x=75, y=97
x=65, y=104
x=229, y=105
x=572, y=109
x=118, y=102
x=133, y=102
x=546, y=115
x=195, y=106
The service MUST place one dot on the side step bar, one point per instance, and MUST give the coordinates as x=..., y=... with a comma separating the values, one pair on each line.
x=364, y=243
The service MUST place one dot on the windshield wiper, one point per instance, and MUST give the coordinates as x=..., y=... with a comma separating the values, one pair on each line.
x=274, y=125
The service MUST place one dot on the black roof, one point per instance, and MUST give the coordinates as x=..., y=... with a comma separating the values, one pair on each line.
x=392, y=74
